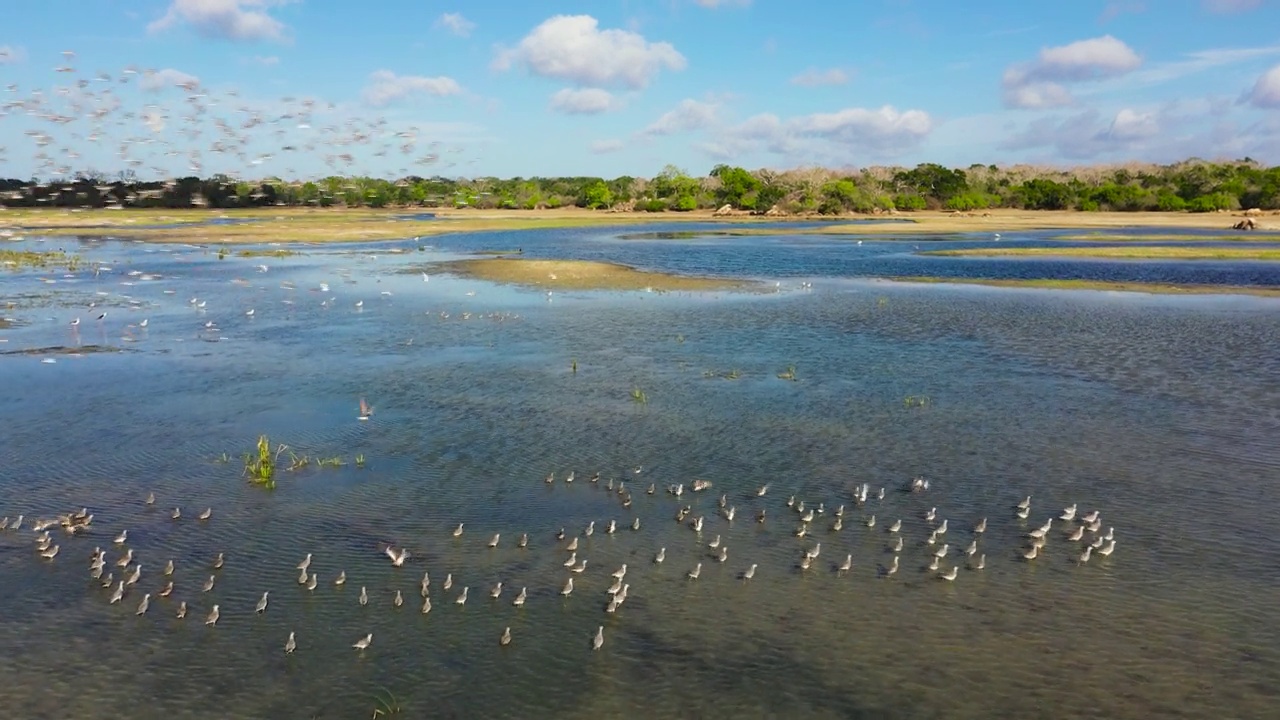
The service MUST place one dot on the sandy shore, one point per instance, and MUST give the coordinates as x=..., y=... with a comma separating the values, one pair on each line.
x=581, y=275
x=337, y=224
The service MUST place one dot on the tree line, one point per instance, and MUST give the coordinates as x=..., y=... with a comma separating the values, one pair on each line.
x=1193, y=185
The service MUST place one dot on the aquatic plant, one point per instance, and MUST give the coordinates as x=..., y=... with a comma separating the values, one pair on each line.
x=262, y=468
x=916, y=400
x=733, y=374
x=573, y=366
x=223, y=459
x=788, y=374
x=19, y=259
x=332, y=462
x=276, y=253
x=297, y=462
x=638, y=396
x=360, y=460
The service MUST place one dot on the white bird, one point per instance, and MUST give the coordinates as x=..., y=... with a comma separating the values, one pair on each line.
x=598, y=641
x=363, y=643
x=290, y=645
x=262, y=603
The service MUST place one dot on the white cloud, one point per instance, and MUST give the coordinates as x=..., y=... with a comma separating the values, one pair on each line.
x=583, y=101
x=385, y=87
x=266, y=60
x=713, y=4
x=1266, y=91
x=227, y=19
x=456, y=24
x=814, y=77
x=825, y=137
x=1087, y=135
x=689, y=115
x=601, y=147
x=1130, y=125
x=1040, y=83
x=154, y=80
x=1223, y=7
x=573, y=48
x=10, y=55
x=1036, y=96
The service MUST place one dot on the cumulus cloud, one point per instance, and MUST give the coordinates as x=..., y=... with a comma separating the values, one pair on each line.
x=1266, y=91
x=385, y=87
x=155, y=80
x=846, y=134
x=574, y=48
x=226, y=19
x=584, y=101
x=601, y=147
x=10, y=55
x=1041, y=82
x=814, y=77
x=456, y=24
x=1225, y=7
x=688, y=116
x=1088, y=134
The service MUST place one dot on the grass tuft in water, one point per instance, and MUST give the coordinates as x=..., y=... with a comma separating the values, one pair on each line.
x=788, y=374
x=638, y=396
x=360, y=460
x=262, y=468
x=916, y=401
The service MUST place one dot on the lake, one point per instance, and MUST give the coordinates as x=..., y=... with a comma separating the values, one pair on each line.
x=1158, y=412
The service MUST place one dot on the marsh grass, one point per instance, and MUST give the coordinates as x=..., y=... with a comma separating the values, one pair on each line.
x=360, y=460
x=274, y=253
x=639, y=397
x=33, y=260
x=788, y=374
x=913, y=401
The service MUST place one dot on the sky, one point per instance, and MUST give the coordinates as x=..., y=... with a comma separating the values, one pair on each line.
x=304, y=88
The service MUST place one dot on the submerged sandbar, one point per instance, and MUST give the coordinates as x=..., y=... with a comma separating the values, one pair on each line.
x=1135, y=287
x=581, y=275
x=1133, y=252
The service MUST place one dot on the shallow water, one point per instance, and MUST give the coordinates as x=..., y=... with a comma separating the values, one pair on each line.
x=1161, y=412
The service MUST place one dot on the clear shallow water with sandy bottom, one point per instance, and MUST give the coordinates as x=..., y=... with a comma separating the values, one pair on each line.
x=1159, y=412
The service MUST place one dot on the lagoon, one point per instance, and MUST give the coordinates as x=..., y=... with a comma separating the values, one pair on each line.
x=1158, y=411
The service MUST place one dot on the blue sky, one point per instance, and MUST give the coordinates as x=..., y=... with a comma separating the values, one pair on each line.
x=391, y=87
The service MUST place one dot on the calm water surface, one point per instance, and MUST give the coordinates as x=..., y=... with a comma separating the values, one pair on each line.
x=1160, y=412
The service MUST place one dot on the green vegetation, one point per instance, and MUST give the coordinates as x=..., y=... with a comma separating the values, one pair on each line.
x=1130, y=252
x=261, y=468
x=1138, y=287
x=639, y=397
x=916, y=401
x=275, y=253
x=1193, y=186
x=788, y=374
x=30, y=259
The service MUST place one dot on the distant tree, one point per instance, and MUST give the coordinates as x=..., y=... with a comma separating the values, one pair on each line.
x=596, y=195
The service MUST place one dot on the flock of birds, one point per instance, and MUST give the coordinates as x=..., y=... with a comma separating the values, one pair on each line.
x=204, y=132
x=118, y=568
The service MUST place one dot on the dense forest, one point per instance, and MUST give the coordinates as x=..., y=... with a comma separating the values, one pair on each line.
x=1193, y=185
